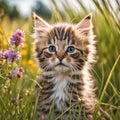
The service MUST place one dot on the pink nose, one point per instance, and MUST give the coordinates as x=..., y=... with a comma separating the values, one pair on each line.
x=60, y=55
x=60, y=58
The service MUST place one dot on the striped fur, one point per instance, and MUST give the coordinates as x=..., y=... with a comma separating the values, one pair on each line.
x=66, y=83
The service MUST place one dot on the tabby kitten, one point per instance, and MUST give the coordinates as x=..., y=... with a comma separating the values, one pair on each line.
x=65, y=53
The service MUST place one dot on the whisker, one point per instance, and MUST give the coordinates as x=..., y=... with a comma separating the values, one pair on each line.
x=73, y=68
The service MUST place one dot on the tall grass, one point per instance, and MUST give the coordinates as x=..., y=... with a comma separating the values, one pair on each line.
x=106, y=22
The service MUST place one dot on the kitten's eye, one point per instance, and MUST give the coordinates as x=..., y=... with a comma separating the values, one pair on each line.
x=70, y=49
x=52, y=48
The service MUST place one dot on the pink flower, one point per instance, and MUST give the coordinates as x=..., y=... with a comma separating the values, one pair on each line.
x=14, y=73
x=10, y=55
x=17, y=38
x=18, y=73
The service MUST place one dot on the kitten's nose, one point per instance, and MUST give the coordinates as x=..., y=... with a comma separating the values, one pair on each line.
x=60, y=56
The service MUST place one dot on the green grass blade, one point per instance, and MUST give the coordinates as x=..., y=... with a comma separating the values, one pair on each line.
x=3, y=103
x=105, y=87
x=109, y=77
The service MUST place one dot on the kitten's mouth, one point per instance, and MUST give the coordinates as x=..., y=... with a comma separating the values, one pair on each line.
x=61, y=65
x=61, y=68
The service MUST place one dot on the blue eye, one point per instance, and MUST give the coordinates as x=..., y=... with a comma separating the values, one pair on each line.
x=52, y=48
x=70, y=49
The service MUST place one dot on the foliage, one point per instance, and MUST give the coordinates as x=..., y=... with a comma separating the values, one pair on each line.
x=17, y=93
x=17, y=79
x=6, y=9
x=42, y=10
x=107, y=31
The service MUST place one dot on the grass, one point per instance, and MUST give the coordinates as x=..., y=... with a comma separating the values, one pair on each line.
x=105, y=87
x=106, y=71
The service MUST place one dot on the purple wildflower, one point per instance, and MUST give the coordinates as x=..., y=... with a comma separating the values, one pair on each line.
x=18, y=73
x=17, y=38
x=14, y=101
x=14, y=73
x=10, y=55
x=21, y=97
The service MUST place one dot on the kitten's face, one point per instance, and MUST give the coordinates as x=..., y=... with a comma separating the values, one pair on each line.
x=62, y=47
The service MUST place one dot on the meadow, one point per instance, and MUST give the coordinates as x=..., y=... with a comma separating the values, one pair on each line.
x=17, y=88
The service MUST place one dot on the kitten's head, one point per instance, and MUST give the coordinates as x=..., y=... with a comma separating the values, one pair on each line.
x=64, y=46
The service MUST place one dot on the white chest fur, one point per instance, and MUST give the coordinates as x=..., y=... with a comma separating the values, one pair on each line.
x=60, y=91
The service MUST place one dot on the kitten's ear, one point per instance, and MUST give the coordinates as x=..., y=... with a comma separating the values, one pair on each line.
x=85, y=25
x=39, y=22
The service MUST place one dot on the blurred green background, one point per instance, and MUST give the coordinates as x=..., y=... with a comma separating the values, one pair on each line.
x=106, y=20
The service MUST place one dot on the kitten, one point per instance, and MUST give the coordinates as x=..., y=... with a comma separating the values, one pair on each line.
x=66, y=53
